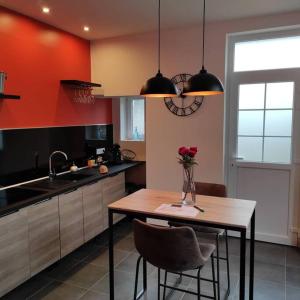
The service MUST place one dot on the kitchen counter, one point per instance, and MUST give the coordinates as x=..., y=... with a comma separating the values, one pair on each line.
x=13, y=199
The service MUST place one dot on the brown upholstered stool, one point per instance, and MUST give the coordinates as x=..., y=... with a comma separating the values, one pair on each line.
x=216, y=190
x=175, y=250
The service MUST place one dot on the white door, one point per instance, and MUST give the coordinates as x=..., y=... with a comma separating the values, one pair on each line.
x=262, y=117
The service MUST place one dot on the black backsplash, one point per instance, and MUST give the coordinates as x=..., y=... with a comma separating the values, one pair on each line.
x=24, y=153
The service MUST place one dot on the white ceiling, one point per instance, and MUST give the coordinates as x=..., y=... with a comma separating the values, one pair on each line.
x=108, y=18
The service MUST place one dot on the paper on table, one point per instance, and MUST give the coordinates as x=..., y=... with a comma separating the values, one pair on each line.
x=183, y=211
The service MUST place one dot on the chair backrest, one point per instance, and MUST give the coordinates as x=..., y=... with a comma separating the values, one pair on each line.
x=210, y=189
x=172, y=249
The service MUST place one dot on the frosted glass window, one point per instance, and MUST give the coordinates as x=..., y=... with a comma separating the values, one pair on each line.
x=278, y=123
x=269, y=54
x=250, y=148
x=138, y=119
x=132, y=119
x=252, y=96
x=280, y=95
x=265, y=121
x=277, y=149
x=251, y=122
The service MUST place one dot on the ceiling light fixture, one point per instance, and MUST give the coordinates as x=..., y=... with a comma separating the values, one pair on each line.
x=159, y=86
x=46, y=10
x=203, y=83
x=86, y=28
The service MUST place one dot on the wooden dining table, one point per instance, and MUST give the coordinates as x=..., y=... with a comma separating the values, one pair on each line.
x=225, y=213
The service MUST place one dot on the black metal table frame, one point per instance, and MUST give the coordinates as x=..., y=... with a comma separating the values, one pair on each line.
x=144, y=215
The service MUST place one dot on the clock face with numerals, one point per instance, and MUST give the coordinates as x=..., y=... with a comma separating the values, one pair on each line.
x=181, y=105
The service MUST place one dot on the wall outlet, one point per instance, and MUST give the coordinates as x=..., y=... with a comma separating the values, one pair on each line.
x=100, y=151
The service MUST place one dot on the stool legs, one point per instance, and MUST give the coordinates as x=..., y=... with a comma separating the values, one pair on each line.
x=158, y=284
x=136, y=277
x=218, y=265
x=198, y=284
x=165, y=283
x=227, y=263
x=213, y=276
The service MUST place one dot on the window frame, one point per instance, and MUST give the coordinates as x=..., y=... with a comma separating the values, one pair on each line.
x=126, y=119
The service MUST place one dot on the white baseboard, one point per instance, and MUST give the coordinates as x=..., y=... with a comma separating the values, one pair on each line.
x=269, y=238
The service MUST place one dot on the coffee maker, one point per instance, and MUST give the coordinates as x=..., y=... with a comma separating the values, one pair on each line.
x=112, y=155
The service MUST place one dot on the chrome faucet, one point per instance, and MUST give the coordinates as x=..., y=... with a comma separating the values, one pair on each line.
x=51, y=173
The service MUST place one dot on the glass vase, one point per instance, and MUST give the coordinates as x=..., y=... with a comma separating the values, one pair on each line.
x=188, y=190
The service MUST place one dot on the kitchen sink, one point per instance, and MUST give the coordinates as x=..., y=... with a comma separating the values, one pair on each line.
x=48, y=184
x=59, y=181
x=72, y=177
x=12, y=196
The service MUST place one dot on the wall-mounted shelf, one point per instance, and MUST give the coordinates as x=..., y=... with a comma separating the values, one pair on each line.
x=80, y=84
x=6, y=96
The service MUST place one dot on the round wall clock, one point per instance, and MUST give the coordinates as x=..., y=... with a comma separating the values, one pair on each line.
x=181, y=105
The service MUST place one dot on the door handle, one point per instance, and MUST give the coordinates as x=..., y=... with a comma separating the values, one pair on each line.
x=239, y=158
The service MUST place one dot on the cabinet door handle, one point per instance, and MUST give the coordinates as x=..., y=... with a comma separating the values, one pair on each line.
x=70, y=191
x=45, y=200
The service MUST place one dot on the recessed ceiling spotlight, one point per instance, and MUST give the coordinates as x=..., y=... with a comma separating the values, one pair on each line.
x=46, y=10
x=86, y=28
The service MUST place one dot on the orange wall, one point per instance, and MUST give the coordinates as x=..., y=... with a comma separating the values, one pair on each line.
x=36, y=57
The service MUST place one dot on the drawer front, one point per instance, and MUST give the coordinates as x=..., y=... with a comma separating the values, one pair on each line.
x=14, y=251
x=71, y=221
x=111, y=182
x=92, y=210
x=113, y=190
x=44, y=242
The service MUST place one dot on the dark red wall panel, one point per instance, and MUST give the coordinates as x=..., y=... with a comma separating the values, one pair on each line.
x=36, y=57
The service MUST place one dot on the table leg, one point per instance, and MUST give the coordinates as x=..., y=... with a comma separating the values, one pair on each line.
x=145, y=274
x=252, y=251
x=111, y=255
x=144, y=264
x=242, y=264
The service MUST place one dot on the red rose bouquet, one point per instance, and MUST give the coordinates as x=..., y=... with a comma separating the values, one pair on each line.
x=187, y=156
x=187, y=160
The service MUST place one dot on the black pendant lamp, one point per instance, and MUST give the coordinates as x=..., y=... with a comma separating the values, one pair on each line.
x=203, y=83
x=159, y=86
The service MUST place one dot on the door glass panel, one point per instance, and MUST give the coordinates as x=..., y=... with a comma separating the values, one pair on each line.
x=265, y=111
x=280, y=95
x=250, y=148
x=251, y=122
x=268, y=54
x=277, y=149
x=252, y=96
x=278, y=123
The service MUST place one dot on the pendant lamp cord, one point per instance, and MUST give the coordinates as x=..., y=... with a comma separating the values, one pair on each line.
x=203, y=35
x=158, y=36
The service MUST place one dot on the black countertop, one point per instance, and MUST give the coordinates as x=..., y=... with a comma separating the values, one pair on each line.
x=15, y=198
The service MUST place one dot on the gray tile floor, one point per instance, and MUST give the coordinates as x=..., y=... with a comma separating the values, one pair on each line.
x=84, y=273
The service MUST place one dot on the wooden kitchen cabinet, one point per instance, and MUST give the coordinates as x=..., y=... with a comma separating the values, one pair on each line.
x=14, y=251
x=44, y=242
x=113, y=189
x=71, y=221
x=92, y=210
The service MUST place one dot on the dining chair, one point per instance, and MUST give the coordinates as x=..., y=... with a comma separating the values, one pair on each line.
x=216, y=190
x=174, y=250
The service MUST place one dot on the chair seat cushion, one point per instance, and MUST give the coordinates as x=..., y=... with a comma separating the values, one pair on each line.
x=199, y=228
x=207, y=250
